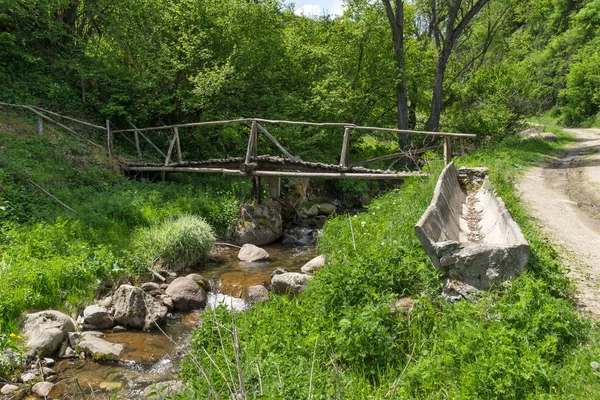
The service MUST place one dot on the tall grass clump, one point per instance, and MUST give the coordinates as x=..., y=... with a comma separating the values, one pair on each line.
x=180, y=242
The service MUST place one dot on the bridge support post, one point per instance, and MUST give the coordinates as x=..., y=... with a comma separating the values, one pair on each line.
x=274, y=186
x=40, y=126
x=447, y=149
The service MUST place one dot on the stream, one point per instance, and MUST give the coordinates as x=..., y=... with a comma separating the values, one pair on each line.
x=151, y=357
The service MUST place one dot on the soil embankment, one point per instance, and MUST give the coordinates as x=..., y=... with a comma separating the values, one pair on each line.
x=564, y=195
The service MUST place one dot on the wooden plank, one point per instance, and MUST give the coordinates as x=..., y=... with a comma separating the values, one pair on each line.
x=447, y=150
x=40, y=124
x=69, y=118
x=372, y=128
x=274, y=186
x=276, y=142
x=326, y=175
x=178, y=143
x=345, y=148
x=303, y=123
x=395, y=155
x=192, y=124
x=39, y=114
x=170, y=151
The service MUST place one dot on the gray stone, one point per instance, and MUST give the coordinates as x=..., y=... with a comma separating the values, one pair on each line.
x=257, y=293
x=106, y=302
x=48, y=371
x=119, y=329
x=313, y=265
x=167, y=301
x=200, y=280
x=326, y=208
x=292, y=282
x=537, y=133
x=164, y=286
x=187, y=295
x=68, y=352
x=164, y=390
x=28, y=377
x=136, y=309
x=150, y=286
x=252, y=253
x=98, y=316
x=42, y=389
x=471, y=237
x=9, y=389
x=259, y=225
x=45, y=331
x=278, y=271
x=99, y=349
x=49, y=362
x=311, y=211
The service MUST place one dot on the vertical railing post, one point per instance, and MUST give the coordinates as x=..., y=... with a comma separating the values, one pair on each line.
x=345, y=147
x=109, y=139
x=40, y=122
x=447, y=149
x=136, y=136
x=178, y=144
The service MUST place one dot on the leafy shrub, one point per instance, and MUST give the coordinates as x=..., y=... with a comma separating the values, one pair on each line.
x=182, y=242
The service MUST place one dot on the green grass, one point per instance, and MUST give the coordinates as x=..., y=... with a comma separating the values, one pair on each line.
x=52, y=258
x=341, y=338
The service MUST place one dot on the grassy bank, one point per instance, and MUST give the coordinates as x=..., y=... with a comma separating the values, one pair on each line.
x=54, y=258
x=343, y=339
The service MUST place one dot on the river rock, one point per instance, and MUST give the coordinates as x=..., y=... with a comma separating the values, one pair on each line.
x=252, y=253
x=313, y=265
x=99, y=349
x=200, y=280
x=119, y=329
x=106, y=302
x=48, y=371
x=49, y=362
x=326, y=208
x=42, y=389
x=164, y=390
x=260, y=224
x=538, y=134
x=98, y=316
x=257, y=294
x=8, y=389
x=278, y=271
x=136, y=309
x=27, y=377
x=150, y=286
x=292, y=282
x=311, y=211
x=187, y=295
x=45, y=331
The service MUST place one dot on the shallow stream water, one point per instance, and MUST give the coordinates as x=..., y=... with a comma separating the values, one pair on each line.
x=151, y=357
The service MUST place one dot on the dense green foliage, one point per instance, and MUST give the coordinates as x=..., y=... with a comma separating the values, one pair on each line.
x=343, y=337
x=176, y=243
x=51, y=257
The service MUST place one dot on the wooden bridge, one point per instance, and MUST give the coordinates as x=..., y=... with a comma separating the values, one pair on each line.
x=250, y=164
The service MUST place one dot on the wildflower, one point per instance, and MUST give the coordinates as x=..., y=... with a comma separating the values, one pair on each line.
x=12, y=335
x=363, y=223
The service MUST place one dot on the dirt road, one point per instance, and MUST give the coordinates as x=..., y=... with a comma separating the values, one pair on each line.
x=564, y=195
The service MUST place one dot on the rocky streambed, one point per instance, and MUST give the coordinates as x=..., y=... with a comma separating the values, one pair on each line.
x=126, y=344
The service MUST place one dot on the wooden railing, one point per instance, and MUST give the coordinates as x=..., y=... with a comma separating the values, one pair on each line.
x=256, y=127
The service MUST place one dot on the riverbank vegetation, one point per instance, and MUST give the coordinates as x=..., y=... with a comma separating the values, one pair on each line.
x=348, y=336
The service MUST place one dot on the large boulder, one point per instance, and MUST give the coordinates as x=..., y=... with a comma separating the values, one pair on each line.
x=98, y=316
x=42, y=389
x=187, y=295
x=45, y=331
x=135, y=309
x=326, y=208
x=252, y=253
x=260, y=224
x=292, y=282
x=99, y=349
x=313, y=265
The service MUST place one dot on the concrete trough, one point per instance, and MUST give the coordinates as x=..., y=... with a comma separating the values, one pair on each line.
x=469, y=235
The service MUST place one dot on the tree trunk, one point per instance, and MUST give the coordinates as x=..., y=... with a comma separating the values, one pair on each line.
x=433, y=123
x=396, y=20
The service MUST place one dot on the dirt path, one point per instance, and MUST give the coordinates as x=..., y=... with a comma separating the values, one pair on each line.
x=564, y=195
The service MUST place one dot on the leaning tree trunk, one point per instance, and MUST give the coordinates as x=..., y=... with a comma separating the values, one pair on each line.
x=433, y=123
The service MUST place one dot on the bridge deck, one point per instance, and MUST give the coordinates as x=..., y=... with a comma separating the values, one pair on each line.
x=266, y=165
